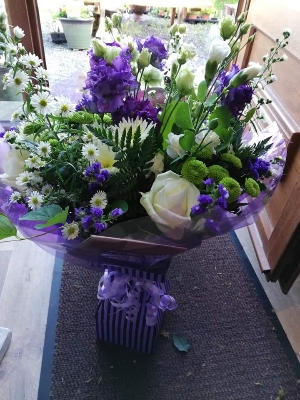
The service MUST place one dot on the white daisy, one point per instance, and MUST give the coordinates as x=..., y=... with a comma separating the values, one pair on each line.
x=106, y=157
x=31, y=60
x=33, y=161
x=11, y=134
x=134, y=124
x=88, y=137
x=90, y=152
x=64, y=106
x=62, y=135
x=43, y=103
x=17, y=81
x=44, y=149
x=99, y=200
x=36, y=178
x=28, y=192
x=15, y=197
x=24, y=178
x=18, y=32
x=41, y=73
x=11, y=49
x=46, y=190
x=70, y=231
x=4, y=80
x=35, y=200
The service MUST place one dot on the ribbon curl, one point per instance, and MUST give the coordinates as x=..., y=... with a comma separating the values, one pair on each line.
x=124, y=292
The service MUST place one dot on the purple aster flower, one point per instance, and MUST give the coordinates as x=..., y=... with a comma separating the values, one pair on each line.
x=116, y=212
x=100, y=226
x=87, y=222
x=109, y=83
x=133, y=108
x=208, y=182
x=223, y=191
x=236, y=98
x=157, y=50
x=205, y=200
x=97, y=212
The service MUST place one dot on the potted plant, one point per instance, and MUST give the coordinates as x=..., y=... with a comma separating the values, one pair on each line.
x=205, y=13
x=77, y=24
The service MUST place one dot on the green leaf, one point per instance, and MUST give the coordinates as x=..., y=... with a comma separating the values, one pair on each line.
x=210, y=101
x=224, y=118
x=59, y=218
x=43, y=213
x=187, y=141
x=168, y=119
x=249, y=115
x=120, y=204
x=181, y=343
x=202, y=90
x=183, y=116
x=7, y=228
x=226, y=135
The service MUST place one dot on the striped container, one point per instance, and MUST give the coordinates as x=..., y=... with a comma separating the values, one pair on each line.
x=113, y=327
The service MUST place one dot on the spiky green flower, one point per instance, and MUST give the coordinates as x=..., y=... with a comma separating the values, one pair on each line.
x=194, y=171
x=31, y=127
x=204, y=153
x=231, y=159
x=233, y=188
x=217, y=173
x=81, y=117
x=252, y=187
x=107, y=120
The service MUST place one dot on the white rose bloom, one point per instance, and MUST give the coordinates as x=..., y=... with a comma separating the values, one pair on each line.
x=218, y=50
x=211, y=139
x=13, y=166
x=174, y=150
x=169, y=203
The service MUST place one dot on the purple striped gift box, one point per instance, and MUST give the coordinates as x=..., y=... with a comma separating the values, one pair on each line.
x=114, y=327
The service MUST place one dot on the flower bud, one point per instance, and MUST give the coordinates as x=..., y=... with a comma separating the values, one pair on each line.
x=108, y=24
x=18, y=32
x=99, y=47
x=245, y=75
x=174, y=29
x=111, y=53
x=185, y=82
x=144, y=58
x=218, y=50
x=286, y=33
x=152, y=76
x=182, y=28
x=242, y=17
x=228, y=28
x=244, y=28
x=116, y=20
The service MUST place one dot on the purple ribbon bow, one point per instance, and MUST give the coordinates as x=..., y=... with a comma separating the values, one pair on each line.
x=123, y=291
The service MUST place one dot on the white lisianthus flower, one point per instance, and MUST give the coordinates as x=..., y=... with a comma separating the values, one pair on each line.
x=43, y=103
x=90, y=152
x=152, y=76
x=169, y=203
x=70, y=231
x=99, y=200
x=35, y=200
x=252, y=70
x=18, y=32
x=106, y=157
x=17, y=81
x=185, y=82
x=174, y=150
x=218, y=50
x=210, y=139
x=64, y=106
x=13, y=166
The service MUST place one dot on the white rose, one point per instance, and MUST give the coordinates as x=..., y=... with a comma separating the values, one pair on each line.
x=218, y=50
x=13, y=166
x=169, y=203
x=174, y=150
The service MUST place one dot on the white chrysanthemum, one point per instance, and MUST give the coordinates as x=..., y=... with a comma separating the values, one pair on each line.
x=24, y=178
x=35, y=200
x=15, y=197
x=46, y=189
x=106, y=157
x=70, y=231
x=90, y=152
x=209, y=139
x=11, y=134
x=31, y=60
x=43, y=103
x=62, y=135
x=72, y=139
x=18, y=32
x=11, y=49
x=15, y=116
x=64, y=106
x=99, y=200
x=88, y=137
x=36, y=178
x=28, y=192
x=17, y=81
x=33, y=161
x=134, y=124
x=41, y=73
x=44, y=149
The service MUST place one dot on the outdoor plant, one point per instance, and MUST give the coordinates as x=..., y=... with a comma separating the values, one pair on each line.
x=143, y=141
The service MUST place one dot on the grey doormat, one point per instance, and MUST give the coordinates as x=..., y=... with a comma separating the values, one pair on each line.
x=238, y=349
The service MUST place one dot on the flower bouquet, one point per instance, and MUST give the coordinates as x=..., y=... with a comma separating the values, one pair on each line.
x=146, y=165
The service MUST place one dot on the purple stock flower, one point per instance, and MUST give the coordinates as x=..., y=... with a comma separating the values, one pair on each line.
x=100, y=226
x=197, y=209
x=205, y=200
x=157, y=50
x=222, y=202
x=258, y=167
x=87, y=222
x=102, y=176
x=109, y=83
x=223, y=191
x=80, y=212
x=116, y=212
x=97, y=212
x=236, y=98
x=208, y=182
x=133, y=108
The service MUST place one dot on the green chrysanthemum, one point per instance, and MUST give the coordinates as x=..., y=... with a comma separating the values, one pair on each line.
x=217, y=173
x=107, y=120
x=194, y=171
x=231, y=159
x=31, y=127
x=204, y=153
x=233, y=188
x=252, y=187
x=81, y=117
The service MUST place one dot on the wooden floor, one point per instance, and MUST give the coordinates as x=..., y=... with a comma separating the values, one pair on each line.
x=25, y=284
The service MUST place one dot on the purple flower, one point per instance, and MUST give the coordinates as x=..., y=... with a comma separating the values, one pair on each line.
x=93, y=186
x=102, y=176
x=87, y=222
x=80, y=212
x=205, y=200
x=222, y=202
x=2, y=134
x=236, y=98
x=223, y=191
x=100, y=226
x=96, y=166
x=208, y=182
x=258, y=167
x=213, y=226
x=157, y=50
x=109, y=83
x=97, y=212
x=197, y=209
x=87, y=103
x=133, y=108
x=116, y=212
